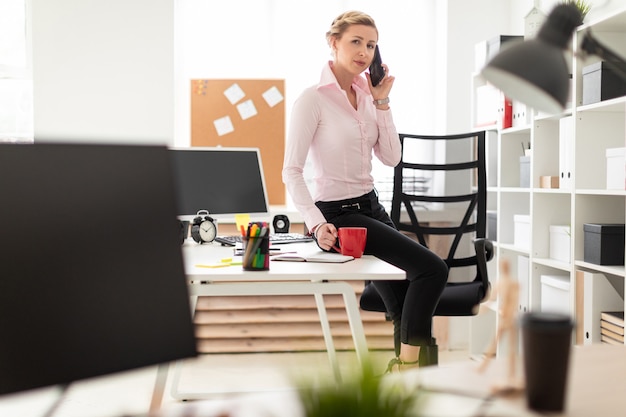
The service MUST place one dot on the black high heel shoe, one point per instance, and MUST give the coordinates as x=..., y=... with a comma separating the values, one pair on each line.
x=398, y=362
x=428, y=356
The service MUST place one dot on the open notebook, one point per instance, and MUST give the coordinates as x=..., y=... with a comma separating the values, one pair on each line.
x=319, y=256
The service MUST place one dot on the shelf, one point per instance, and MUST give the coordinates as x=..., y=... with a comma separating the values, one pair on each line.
x=551, y=191
x=552, y=263
x=615, y=105
x=544, y=116
x=516, y=190
x=619, y=193
x=512, y=248
x=614, y=22
x=515, y=130
x=618, y=271
x=571, y=145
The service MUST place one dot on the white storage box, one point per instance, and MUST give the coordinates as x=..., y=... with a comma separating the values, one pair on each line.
x=560, y=243
x=555, y=294
x=616, y=168
x=521, y=231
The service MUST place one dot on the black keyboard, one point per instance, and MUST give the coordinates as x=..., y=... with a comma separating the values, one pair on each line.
x=275, y=239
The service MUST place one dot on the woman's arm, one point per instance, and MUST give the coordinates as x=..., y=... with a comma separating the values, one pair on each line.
x=304, y=120
x=387, y=148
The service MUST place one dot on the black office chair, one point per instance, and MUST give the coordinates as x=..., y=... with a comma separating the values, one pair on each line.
x=416, y=187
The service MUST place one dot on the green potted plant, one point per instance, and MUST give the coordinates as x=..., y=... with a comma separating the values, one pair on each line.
x=583, y=6
x=362, y=394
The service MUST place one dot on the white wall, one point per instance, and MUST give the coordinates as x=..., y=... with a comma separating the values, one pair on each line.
x=103, y=70
x=286, y=40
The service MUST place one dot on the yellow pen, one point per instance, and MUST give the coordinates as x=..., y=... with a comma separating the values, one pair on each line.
x=223, y=263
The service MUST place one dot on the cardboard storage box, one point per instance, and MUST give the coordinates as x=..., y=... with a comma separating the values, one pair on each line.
x=492, y=224
x=546, y=181
x=555, y=291
x=604, y=243
x=560, y=243
x=616, y=169
x=524, y=171
x=521, y=231
x=600, y=82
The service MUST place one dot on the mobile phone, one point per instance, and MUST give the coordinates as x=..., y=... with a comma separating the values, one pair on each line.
x=377, y=72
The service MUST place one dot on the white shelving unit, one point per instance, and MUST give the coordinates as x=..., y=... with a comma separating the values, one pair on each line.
x=573, y=143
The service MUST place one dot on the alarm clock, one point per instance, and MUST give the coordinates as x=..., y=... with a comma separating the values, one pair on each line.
x=281, y=223
x=203, y=228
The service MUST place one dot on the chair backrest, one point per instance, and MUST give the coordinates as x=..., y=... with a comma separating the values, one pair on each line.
x=456, y=189
x=457, y=184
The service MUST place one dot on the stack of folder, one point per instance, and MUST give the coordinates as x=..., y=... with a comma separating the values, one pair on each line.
x=612, y=327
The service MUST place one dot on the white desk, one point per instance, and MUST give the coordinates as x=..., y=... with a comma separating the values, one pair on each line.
x=283, y=278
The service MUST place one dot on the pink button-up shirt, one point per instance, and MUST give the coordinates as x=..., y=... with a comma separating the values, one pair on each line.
x=339, y=140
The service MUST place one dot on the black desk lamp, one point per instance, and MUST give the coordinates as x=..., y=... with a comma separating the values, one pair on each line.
x=535, y=72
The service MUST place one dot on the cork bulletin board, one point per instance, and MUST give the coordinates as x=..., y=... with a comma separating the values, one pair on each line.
x=243, y=113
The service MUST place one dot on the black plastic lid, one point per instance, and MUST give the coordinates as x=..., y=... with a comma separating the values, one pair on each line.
x=546, y=320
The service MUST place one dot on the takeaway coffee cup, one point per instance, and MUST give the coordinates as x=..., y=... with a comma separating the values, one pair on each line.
x=546, y=341
x=351, y=241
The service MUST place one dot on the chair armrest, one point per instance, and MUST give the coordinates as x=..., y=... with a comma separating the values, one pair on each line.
x=484, y=245
x=484, y=253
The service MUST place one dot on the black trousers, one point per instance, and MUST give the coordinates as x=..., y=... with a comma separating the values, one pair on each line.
x=412, y=302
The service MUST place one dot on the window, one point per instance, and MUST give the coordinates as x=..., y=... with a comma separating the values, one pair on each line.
x=16, y=86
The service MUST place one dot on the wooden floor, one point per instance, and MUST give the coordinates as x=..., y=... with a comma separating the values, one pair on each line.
x=281, y=324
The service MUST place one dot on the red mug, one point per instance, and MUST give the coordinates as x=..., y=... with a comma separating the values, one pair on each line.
x=351, y=241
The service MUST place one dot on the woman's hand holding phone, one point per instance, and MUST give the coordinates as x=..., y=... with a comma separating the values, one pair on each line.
x=377, y=71
x=380, y=83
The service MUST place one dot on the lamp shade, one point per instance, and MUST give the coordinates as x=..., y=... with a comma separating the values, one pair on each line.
x=535, y=72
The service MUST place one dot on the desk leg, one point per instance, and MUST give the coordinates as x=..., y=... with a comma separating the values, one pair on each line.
x=193, y=302
x=178, y=366
x=174, y=392
x=318, y=289
x=159, y=387
x=356, y=325
x=328, y=337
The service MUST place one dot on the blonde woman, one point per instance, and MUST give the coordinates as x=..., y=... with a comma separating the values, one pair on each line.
x=340, y=123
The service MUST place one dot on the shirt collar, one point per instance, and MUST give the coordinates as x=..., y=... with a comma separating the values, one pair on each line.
x=328, y=78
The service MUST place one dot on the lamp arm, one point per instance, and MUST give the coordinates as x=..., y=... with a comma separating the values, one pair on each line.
x=592, y=46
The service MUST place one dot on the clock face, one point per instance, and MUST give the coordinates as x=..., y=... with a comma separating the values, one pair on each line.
x=207, y=231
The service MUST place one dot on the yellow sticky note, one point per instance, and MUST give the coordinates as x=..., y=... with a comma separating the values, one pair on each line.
x=215, y=265
x=242, y=220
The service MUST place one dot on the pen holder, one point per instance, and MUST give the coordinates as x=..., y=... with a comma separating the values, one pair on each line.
x=256, y=256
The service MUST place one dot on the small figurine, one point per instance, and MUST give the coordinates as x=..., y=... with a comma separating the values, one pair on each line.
x=507, y=292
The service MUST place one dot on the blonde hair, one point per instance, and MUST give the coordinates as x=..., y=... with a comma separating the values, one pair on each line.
x=344, y=20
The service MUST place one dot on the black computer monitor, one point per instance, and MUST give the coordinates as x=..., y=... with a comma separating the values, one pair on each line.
x=92, y=280
x=223, y=181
